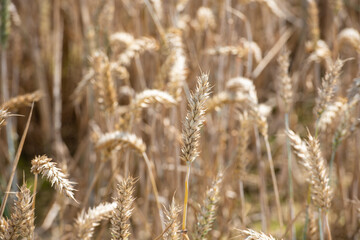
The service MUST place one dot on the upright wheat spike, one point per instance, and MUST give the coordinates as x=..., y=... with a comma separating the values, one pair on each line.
x=179, y=70
x=21, y=223
x=207, y=214
x=22, y=101
x=103, y=82
x=327, y=90
x=313, y=22
x=172, y=220
x=286, y=85
x=253, y=235
x=191, y=131
x=43, y=165
x=320, y=187
x=120, y=227
x=87, y=221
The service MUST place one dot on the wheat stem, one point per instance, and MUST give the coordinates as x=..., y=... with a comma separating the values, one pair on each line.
x=15, y=162
x=273, y=176
x=188, y=168
x=153, y=184
x=290, y=182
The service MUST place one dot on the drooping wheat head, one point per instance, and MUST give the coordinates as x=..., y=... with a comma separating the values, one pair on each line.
x=250, y=234
x=43, y=165
x=22, y=101
x=87, y=221
x=327, y=90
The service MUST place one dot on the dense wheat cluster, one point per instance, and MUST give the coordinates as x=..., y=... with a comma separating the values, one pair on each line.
x=178, y=120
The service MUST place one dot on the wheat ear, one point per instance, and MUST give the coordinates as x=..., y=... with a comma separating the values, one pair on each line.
x=120, y=227
x=327, y=90
x=87, y=221
x=253, y=235
x=320, y=187
x=191, y=132
x=208, y=211
x=22, y=101
x=43, y=165
x=171, y=221
x=21, y=223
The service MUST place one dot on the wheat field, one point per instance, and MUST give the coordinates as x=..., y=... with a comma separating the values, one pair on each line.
x=178, y=119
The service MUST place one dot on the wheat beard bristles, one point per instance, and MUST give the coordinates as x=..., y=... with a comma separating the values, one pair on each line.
x=320, y=187
x=194, y=120
x=208, y=211
x=120, y=228
x=21, y=223
x=87, y=221
x=253, y=235
x=48, y=169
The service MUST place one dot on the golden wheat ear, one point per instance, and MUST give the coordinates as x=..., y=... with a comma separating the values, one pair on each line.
x=43, y=165
x=87, y=221
x=120, y=227
x=171, y=222
x=250, y=234
x=208, y=211
x=21, y=223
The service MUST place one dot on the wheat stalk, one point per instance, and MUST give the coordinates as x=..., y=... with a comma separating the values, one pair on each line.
x=43, y=165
